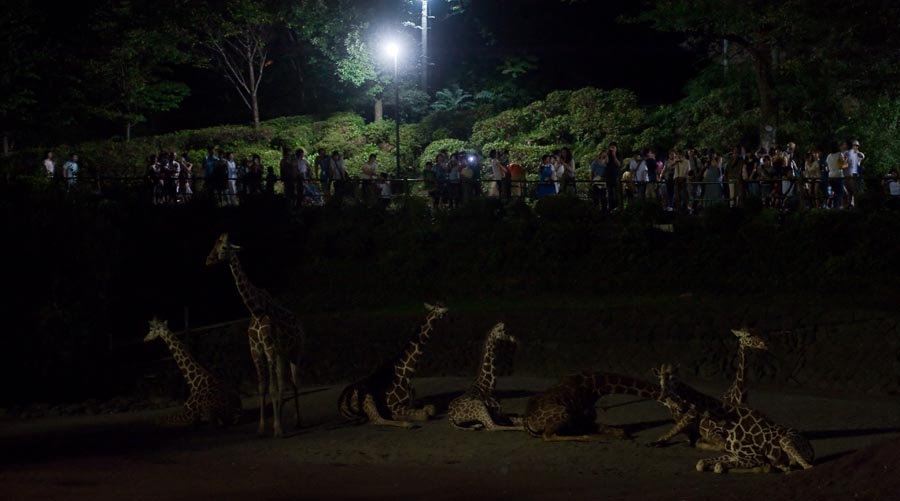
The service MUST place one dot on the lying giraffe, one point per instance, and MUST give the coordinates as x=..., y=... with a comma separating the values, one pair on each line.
x=701, y=433
x=276, y=337
x=385, y=397
x=753, y=442
x=210, y=401
x=566, y=412
x=477, y=408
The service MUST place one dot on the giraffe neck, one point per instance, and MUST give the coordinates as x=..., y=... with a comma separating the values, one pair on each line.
x=252, y=297
x=193, y=372
x=606, y=383
x=486, y=380
x=406, y=365
x=740, y=374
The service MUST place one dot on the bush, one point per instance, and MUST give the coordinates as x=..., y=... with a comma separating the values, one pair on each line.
x=431, y=151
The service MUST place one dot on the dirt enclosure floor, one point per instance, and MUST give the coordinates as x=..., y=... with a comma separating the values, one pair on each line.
x=124, y=456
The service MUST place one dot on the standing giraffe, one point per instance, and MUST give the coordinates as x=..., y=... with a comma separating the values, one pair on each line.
x=385, y=396
x=210, y=401
x=752, y=441
x=477, y=408
x=275, y=333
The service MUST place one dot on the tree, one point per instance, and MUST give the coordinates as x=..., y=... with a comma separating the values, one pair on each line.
x=237, y=34
x=127, y=76
x=21, y=53
x=451, y=99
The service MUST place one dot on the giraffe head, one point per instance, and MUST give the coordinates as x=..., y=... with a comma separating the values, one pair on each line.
x=668, y=381
x=437, y=309
x=222, y=251
x=498, y=333
x=749, y=340
x=157, y=327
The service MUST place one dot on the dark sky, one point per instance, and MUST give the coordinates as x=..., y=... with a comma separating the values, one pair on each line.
x=577, y=45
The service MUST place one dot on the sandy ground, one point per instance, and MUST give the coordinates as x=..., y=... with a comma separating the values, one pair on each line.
x=125, y=457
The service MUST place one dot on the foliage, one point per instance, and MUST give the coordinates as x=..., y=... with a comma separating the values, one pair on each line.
x=21, y=52
x=431, y=151
x=452, y=98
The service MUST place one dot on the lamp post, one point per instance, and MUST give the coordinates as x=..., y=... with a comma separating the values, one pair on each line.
x=394, y=50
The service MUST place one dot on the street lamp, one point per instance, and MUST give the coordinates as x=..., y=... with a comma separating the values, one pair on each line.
x=393, y=50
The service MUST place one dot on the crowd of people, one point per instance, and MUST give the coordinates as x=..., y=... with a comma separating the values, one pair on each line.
x=681, y=180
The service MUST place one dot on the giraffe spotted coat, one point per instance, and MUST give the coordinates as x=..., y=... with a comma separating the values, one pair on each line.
x=477, y=408
x=752, y=441
x=385, y=397
x=209, y=401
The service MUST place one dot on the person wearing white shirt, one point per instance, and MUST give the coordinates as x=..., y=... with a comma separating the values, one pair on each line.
x=641, y=178
x=50, y=165
x=231, y=191
x=853, y=176
x=70, y=171
x=369, y=173
x=496, y=174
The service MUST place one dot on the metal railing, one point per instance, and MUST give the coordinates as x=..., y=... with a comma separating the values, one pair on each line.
x=687, y=196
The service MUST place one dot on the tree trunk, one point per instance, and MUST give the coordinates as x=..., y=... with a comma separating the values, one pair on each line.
x=127, y=132
x=254, y=103
x=768, y=104
x=379, y=108
x=5, y=144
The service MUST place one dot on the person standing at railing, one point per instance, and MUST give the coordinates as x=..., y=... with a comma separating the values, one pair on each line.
x=598, y=181
x=70, y=170
x=497, y=172
x=837, y=162
x=429, y=182
x=516, y=180
x=712, y=179
x=322, y=172
x=612, y=174
x=49, y=165
x=682, y=171
x=892, y=186
x=667, y=181
x=288, y=179
x=369, y=175
x=811, y=187
x=301, y=175
x=568, y=171
x=231, y=182
x=642, y=174
x=209, y=167
x=339, y=174
x=547, y=173
x=184, y=178
x=853, y=175
x=453, y=178
x=733, y=175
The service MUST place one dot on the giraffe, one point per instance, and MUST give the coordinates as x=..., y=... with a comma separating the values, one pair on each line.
x=701, y=433
x=210, y=401
x=275, y=333
x=753, y=442
x=385, y=396
x=566, y=412
x=477, y=408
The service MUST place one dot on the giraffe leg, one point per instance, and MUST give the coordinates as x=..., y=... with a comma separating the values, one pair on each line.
x=553, y=437
x=276, y=392
x=686, y=419
x=410, y=414
x=706, y=444
x=262, y=381
x=734, y=462
x=790, y=447
x=483, y=415
x=375, y=417
x=295, y=382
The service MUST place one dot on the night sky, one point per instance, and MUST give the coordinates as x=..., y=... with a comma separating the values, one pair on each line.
x=575, y=44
